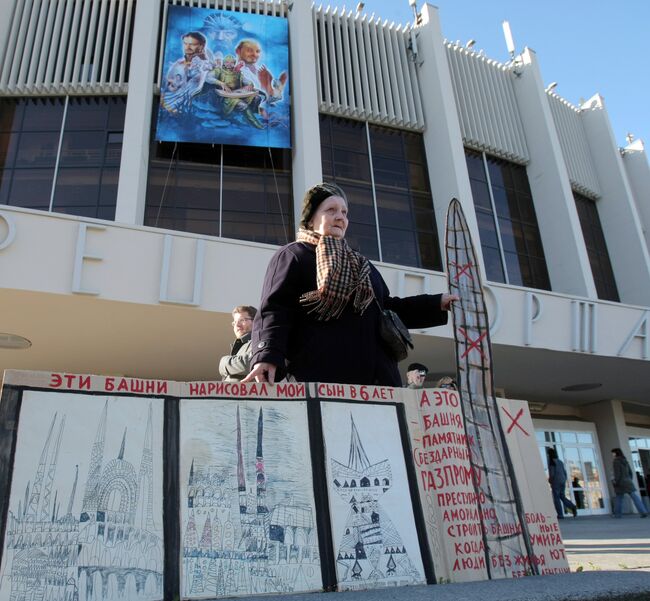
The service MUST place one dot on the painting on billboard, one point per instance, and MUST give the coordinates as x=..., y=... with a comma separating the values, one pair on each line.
x=225, y=79
x=85, y=507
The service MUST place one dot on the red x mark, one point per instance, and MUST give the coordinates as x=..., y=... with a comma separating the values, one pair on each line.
x=463, y=270
x=515, y=421
x=472, y=344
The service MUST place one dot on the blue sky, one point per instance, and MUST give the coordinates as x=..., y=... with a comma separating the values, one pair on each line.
x=591, y=47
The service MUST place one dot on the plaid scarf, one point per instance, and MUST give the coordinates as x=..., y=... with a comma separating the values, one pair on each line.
x=340, y=273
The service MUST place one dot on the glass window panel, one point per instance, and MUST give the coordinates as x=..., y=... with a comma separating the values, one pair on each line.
x=414, y=147
x=386, y=143
x=87, y=113
x=394, y=209
x=389, y=173
x=496, y=174
x=422, y=201
x=481, y=194
x=429, y=251
x=76, y=187
x=37, y=149
x=514, y=271
x=425, y=221
x=43, y=114
x=475, y=166
x=507, y=236
x=585, y=437
x=493, y=264
x=31, y=188
x=82, y=148
x=349, y=134
x=363, y=238
x=399, y=246
x=8, y=142
x=116, y=110
x=418, y=177
x=501, y=203
x=569, y=437
x=361, y=204
x=487, y=229
x=526, y=208
x=11, y=114
x=351, y=165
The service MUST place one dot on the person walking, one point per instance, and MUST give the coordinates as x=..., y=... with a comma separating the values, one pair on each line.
x=557, y=480
x=624, y=484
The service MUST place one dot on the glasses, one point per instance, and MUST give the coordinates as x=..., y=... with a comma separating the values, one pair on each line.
x=242, y=320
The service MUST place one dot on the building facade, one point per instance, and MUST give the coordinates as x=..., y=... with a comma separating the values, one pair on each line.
x=123, y=255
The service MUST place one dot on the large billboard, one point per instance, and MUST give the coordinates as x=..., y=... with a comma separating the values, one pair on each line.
x=225, y=79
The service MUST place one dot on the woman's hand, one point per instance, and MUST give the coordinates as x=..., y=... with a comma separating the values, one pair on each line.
x=446, y=300
x=261, y=372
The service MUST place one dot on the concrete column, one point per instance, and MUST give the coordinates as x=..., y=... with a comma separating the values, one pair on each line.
x=635, y=162
x=307, y=166
x=443, y=140
x=612, y=432
x=618, y=213
x=559, y=225
x=134, y=166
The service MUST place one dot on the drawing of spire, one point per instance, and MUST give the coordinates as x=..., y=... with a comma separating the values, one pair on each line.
x=25, y=504
x=489, y=457
x=95, y=467
x=191, y=478
x=206, y=536
x=74, y=490
x=32, y=509
x=120, y=455
x=241, y=476
x=145, y=479
x=358, y=460
x=259, y=467
x=190, y=534
x=51, y=472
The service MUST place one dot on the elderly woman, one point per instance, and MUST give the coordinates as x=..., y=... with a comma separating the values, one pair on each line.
x=320, y=311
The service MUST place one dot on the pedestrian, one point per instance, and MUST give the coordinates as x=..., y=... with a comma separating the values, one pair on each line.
x=557, y=479
x=624, y=485
x=321, y=307
x=416, y=374
x=235, y=366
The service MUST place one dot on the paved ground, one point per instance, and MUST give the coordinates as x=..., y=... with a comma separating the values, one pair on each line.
x=605, y=543
x=610, y=559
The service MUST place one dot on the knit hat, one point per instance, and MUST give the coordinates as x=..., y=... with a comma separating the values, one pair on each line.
x=314, y=197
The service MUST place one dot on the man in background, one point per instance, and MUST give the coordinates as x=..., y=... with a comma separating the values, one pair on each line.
x=235, y=367
x=416, y=374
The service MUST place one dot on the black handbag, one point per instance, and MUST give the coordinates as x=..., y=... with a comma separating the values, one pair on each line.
x=394, y=335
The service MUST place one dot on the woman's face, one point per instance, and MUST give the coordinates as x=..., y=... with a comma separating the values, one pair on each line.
x=331, y=217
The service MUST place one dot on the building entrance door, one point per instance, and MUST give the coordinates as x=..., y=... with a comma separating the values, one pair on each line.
x=578, y=451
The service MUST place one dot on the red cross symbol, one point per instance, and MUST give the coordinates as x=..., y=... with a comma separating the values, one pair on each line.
x=472, y=344
x=463, y=270
x=515, y=421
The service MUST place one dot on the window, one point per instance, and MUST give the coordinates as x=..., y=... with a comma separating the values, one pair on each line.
x=61, y=154
x=592, y=230
x=240, y=192
x=384, y=174
x=510, y=239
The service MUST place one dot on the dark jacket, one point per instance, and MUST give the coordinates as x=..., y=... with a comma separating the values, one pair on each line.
x=556, y=474
x=235, y=367
x=346, y=350
x=622, y=481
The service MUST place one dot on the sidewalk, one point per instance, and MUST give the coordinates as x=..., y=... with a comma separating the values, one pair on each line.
x=605, y=543
x=609, y=559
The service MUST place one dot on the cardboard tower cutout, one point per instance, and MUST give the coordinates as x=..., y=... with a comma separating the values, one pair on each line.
x=505, y=531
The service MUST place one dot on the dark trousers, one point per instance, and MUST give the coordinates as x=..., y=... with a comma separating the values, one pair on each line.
x=559, y=499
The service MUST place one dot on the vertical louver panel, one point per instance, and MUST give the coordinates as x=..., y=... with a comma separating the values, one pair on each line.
x=575, y=149
x=365, y=69
x=272, y=8
x=67, y=47
x=486, y=104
